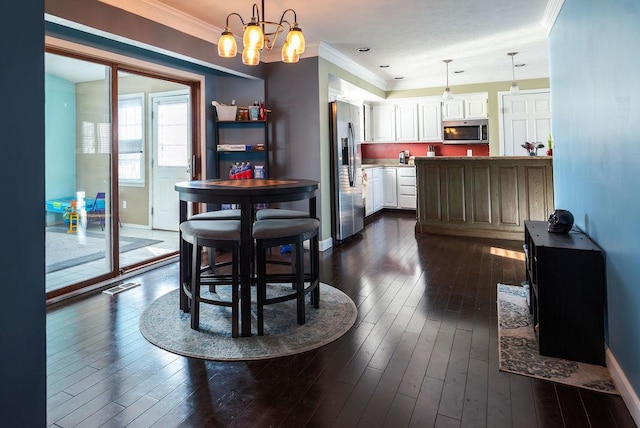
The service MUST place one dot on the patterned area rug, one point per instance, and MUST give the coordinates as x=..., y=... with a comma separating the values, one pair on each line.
x=519, y=350
x=164, y=325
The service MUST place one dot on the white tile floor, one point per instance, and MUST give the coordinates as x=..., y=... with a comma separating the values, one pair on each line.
x=168, y=244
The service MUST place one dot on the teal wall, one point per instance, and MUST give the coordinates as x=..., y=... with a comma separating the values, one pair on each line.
x=60, y=137
x=595, y=94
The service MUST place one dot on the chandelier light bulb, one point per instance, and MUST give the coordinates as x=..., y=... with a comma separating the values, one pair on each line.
x=227, y=46
x=250, y=56
x=295, y=38
x=289, y=54
x=253, y=36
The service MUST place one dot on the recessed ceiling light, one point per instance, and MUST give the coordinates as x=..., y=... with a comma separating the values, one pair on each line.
x=520, y=65
x=364, y=49
x=399, y=78
x=384, y=66
x=459, y=71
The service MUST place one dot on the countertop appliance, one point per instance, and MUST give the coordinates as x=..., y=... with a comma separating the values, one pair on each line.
x=474, y=131
x=347, y=207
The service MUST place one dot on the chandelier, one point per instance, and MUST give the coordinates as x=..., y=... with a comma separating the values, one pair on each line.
x=262, y=34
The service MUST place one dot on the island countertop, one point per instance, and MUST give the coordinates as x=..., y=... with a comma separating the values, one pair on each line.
x=480, y=158
x=482, y=196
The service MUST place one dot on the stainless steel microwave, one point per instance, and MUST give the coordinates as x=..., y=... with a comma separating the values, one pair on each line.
x=474, y=131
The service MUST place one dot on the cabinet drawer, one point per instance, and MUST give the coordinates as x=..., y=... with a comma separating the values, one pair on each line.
x=406, y=181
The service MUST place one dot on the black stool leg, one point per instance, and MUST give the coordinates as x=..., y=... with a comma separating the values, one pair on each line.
x=299, y=266
x=234, y=291
x=314, y=253
x=195, y=286
x=261, y=289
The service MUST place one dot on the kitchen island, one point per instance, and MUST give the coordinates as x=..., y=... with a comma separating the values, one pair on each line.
x=487, y=197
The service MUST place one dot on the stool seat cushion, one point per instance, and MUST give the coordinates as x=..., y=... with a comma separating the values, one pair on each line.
x=222, y=230
x=271, y=213
x=218, y=215
x=281, y=228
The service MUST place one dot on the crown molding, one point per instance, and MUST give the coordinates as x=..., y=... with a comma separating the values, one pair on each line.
x=551, y=14
x=169, y=16
x=333, y=56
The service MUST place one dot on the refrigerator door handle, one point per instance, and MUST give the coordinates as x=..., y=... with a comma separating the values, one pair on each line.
x=352, y=156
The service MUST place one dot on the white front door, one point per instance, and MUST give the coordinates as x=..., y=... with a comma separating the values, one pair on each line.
x=171, y=163
x=526, y=118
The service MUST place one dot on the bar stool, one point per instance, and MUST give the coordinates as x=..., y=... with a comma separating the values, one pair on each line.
x=213, y=234
x=274, y=232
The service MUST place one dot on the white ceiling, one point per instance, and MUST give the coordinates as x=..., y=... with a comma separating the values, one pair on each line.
x=411, y=36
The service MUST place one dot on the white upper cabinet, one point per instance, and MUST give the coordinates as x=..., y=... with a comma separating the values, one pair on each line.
x=430, y=120
x=453, y=109
x=407, y=122
x=366, y=125
x=383, y=124
x=475, y=108
x=465, y=106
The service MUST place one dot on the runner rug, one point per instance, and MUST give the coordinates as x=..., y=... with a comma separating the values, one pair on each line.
x=163, y=324
x=518, y=348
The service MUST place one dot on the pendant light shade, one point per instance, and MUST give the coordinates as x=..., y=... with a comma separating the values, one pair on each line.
x=227, y=46
x=289, y=54
x=250, y=56
x=447, y=96
x=253, y=36
x=514, y=89
x=295, y=39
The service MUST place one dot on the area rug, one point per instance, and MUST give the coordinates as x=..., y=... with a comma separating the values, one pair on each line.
x=163, y=324
x=518, y=348
x=64, y=250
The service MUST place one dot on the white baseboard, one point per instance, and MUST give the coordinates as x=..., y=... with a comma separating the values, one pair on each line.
x=326, y=244
x=627, y=392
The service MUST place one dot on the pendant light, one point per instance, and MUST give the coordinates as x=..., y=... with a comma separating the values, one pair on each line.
x=514, y=90
x=447, y=96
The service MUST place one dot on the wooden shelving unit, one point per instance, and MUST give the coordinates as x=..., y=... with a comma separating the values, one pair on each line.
x=567, y=286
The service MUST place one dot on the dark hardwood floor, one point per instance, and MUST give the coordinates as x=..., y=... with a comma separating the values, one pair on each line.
x=423, y=352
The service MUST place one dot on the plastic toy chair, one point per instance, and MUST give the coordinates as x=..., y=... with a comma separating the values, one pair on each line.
x=72, y=215
x=96, y=211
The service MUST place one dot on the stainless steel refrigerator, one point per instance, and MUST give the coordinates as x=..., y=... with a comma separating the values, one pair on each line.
x=347, y=207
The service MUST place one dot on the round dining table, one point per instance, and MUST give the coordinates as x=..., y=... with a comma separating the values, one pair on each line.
x=246, y=193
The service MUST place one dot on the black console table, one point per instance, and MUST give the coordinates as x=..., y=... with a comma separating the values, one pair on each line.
x=566, y=277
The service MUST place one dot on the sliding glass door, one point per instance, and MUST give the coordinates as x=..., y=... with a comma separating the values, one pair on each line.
x=78, y=170
x=116, y=143
x=154, y=146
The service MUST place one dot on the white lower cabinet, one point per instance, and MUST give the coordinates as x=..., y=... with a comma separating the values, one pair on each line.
x=390, y=187
x=407, y=188
x=373, y=199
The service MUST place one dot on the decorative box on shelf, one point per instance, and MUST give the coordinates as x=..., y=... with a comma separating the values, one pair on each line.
x=234, y=148
x=226, y=113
